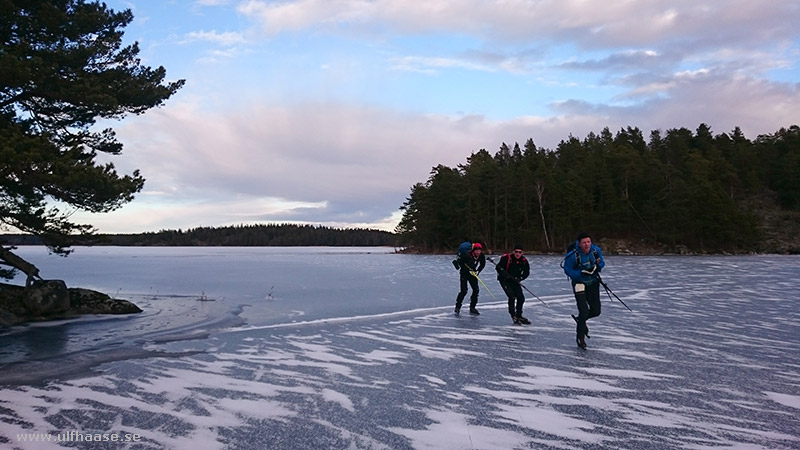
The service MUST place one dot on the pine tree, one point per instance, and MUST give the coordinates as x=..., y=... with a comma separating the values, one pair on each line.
x=64, y=67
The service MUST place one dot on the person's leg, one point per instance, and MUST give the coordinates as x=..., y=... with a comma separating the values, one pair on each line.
x=593, y=303
x=473, y=283
x=593, y=299
x=520, y=300
x=510, y=295
x=583, y=311
x=462, y=293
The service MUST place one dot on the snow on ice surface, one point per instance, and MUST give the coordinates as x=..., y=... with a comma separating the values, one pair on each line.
x=365, y=352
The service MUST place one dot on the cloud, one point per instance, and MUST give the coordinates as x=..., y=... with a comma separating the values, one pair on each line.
x=226, y=38
x=212, y=2
x=756, y=105
x=433, y=65
x=626, y=60
x=591, y=25
x=645, y=38
x=690, y=98
x=304, y=151
x=325, y=163
x=149, y=212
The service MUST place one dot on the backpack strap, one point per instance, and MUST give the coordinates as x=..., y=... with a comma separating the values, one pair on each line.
x=567, y=256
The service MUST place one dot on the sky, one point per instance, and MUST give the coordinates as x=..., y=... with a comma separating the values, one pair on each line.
x=328, y=111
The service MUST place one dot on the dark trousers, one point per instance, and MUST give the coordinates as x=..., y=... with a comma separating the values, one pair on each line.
x=514, y=293
x=466, y=277
x=588, y=306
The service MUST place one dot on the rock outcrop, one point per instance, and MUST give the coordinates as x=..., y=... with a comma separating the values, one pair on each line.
x=46, y=297
x=52, y=299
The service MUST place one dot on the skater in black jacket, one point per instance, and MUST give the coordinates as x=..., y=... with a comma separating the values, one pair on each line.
x=511, y=270
x=471, y=264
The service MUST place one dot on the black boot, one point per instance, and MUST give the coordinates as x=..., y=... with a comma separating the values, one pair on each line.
x=585, y=327
x=472, y=307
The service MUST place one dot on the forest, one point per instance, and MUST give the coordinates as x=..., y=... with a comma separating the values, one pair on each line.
x=258, y=235
x=693, y=191
x=235, y=236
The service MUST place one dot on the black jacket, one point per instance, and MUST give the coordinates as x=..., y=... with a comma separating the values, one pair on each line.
x=470, y=263
x=510, y=268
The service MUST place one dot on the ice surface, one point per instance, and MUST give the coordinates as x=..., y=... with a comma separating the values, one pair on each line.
x=360, y=349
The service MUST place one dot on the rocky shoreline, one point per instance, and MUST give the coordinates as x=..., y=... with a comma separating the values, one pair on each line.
x=52, y=300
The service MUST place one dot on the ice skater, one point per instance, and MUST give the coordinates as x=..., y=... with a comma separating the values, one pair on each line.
x=471, y=264
x=583, y=264
x=511, y=270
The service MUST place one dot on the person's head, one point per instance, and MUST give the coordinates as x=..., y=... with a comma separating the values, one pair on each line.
x=584, y=242
x=477, y=248
x=517, y=251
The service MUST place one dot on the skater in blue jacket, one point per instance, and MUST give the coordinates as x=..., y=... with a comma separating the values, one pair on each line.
x=583, y=265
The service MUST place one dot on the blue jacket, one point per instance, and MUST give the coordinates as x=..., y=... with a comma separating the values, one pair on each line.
x=576, y=260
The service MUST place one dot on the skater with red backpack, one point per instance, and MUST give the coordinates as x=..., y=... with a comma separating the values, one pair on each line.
x=511, y=270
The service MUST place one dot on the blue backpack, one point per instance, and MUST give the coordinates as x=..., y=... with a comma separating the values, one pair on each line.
x=464, y=249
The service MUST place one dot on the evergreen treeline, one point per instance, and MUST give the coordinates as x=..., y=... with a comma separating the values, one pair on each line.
x=261, y=235
x=240, y=236
x=673, y=189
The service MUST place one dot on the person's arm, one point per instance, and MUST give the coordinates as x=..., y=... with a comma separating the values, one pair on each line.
x=526, y=269
x=504, y=275
x=500, y=268
x=601, y=262
x=481, y=262
x=572, y=271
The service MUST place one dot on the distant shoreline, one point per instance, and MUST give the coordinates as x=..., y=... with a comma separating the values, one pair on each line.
x=613, y=247
x=264, y=235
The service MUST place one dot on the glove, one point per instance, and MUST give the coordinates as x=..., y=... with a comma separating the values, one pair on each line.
x=589, y=272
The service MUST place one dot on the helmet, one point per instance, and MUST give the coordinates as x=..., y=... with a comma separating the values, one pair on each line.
x=477, y=246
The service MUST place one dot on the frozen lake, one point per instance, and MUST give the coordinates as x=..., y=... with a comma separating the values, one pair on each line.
x=354, y=348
